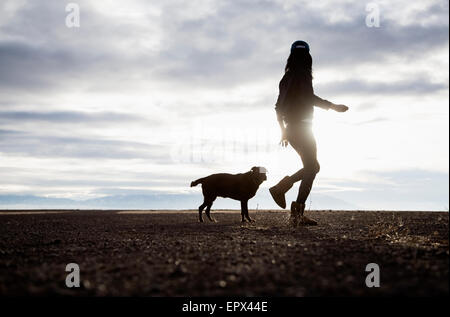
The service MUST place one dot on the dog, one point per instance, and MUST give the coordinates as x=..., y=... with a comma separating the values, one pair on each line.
x=240, y=187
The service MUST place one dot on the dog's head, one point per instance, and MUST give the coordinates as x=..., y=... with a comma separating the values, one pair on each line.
x=259, y=174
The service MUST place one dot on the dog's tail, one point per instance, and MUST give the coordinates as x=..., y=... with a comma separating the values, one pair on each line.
x=198, y=181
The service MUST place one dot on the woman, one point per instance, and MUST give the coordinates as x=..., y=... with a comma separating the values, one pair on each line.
x=295, y=108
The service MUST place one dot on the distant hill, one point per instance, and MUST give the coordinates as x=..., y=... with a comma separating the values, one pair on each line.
x=160, y=201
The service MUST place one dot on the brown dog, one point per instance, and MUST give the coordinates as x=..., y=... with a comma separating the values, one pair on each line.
x=241, y=187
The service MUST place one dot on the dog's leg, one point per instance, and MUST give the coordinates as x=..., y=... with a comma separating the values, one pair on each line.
x=244, y=211
x=208, y=210
x=200, y=210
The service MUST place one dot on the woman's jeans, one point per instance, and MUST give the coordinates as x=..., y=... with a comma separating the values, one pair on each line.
x=301, y=138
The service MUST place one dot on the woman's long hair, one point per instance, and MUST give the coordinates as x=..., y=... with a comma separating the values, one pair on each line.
x=300, y=63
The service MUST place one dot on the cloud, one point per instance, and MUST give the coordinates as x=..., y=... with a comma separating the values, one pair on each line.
x=103, y=183
x=226, y=46
x=28, y=144
x=65, y=117
x=411, y=189
x=374, y=120
x=419, y=86
x=68, y=117
x=5, y=132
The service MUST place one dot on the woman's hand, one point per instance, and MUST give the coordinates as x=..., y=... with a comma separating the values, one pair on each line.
x=284, y=142
x=339, y=108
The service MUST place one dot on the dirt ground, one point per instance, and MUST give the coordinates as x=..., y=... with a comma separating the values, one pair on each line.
x=168, y=253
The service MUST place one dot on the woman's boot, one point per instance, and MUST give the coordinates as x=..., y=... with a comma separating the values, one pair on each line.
x=301, y=219
x=295, y=214
x=279, y=190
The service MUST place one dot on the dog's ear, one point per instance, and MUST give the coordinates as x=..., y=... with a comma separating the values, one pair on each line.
x=259, y=170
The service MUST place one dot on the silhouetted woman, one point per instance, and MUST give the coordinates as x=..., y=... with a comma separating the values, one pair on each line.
x=295, y=108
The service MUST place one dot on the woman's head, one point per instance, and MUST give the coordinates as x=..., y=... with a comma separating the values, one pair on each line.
x=300, y=61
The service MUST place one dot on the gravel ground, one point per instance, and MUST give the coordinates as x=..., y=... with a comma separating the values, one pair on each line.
x=168, y=253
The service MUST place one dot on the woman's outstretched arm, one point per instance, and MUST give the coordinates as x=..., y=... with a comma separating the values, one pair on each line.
x=321, y=103
x=325, y=104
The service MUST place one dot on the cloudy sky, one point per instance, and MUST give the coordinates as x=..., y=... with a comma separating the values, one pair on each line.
x=146, y=96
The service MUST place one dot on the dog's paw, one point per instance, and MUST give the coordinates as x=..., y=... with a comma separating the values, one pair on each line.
x=213, y=220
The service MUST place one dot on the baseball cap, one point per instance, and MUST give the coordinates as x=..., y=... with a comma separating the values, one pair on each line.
x=299, y=45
